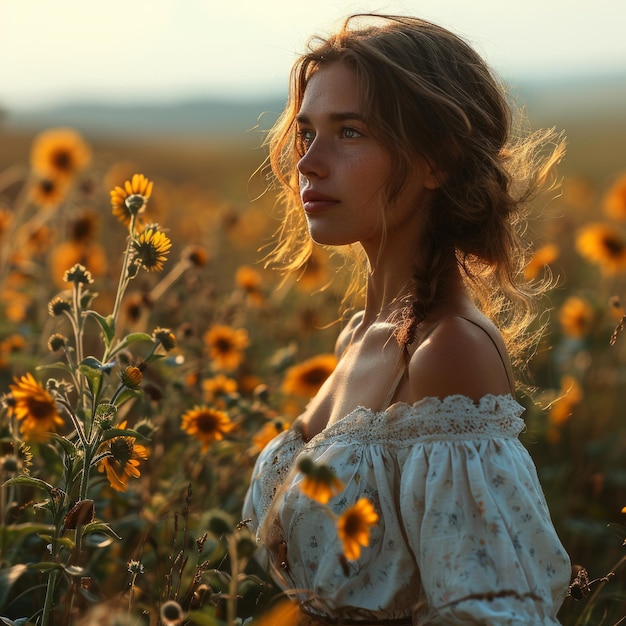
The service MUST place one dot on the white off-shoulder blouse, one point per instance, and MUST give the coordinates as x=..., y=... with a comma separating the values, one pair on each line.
x=464, y=534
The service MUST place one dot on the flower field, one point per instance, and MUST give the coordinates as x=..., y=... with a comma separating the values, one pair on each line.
x=147, y=355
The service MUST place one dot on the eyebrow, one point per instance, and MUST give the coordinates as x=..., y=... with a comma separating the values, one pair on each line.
x=340, y=116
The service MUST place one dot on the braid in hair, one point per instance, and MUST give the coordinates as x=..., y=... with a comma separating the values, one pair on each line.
x=426, y=283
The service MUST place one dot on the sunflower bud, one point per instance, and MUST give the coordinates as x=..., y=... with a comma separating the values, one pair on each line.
x=165, y=337
x=135, y=203
x=56, y=342
x=131, y=377
x=58, y=306
x=78, y=274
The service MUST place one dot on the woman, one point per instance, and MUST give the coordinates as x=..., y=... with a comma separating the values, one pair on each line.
x=395, y=144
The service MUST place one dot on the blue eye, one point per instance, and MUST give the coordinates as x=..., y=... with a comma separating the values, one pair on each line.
x=350, y=133
x=304, y=139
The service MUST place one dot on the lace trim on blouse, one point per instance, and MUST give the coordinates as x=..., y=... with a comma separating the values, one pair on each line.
x=454, y=417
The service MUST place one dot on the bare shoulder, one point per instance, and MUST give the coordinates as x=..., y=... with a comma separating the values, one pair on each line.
x=345, y=336
x=460, y=356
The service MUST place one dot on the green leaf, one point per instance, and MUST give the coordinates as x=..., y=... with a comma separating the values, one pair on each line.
x=126, y=395
x=100, y=527
x=131, y=338
x=92, y=369
x=62, y=541
x=56, y=365
x=66, y=444
x=111, y=433
x=107, y=324
x=30, y=481
x=91, y=362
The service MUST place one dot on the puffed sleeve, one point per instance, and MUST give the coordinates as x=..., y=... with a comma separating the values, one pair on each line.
x=481, y=532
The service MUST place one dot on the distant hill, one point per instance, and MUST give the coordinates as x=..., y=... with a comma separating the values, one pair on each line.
x=595, y=99
x=214, y=118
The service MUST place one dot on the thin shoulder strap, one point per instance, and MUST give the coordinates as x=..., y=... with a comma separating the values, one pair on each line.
x=505, y=361
x=403, y=369
x=394, y=387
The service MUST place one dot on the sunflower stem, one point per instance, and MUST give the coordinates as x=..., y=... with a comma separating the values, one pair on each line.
x=49, y=599
x=121, y=289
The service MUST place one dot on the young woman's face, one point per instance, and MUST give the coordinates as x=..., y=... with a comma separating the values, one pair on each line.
x=343, y=169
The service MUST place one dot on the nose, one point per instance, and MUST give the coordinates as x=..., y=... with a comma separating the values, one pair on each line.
x=314, y=162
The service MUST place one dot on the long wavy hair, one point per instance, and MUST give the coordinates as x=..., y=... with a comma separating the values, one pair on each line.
x=425, y=91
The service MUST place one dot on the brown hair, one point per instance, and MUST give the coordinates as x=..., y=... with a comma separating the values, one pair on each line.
x=426, y=92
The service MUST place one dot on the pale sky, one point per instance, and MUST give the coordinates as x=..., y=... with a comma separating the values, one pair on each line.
x=56, y=51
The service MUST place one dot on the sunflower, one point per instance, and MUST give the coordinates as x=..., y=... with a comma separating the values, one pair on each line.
x=214, y=389
x=306, y=378
x=544, y=256
x=35, y=408
x=249, y=281
x=206, y=425
x=353, y=527
x=576, y=316
x=123, y=460
x=268, y=431
x=140, y=189
x=59, y=153
x=165, y=337
x=226, y=346
x=614, y=202
x=151, y=248
x=604, y=246
x=48, y=193
x=320, y=482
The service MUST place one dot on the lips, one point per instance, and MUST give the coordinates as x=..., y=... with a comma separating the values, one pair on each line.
x=314, y=201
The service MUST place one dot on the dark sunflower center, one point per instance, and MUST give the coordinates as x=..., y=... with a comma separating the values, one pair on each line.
x=82, y=229
x=207, y=422
x=62, y=160
x=352, y=525
x=315, y=376
x=224, y=345
x=149, y=254
x=47, y=187
x=40, y=409
x=613, y=245
x=122, y=449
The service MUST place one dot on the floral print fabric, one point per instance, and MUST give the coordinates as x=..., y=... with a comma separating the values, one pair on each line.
x=464, y=535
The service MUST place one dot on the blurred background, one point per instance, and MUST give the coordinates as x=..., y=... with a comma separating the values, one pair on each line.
x=183, y=90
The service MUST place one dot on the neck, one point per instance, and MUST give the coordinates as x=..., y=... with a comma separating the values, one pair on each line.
x=391, y=290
